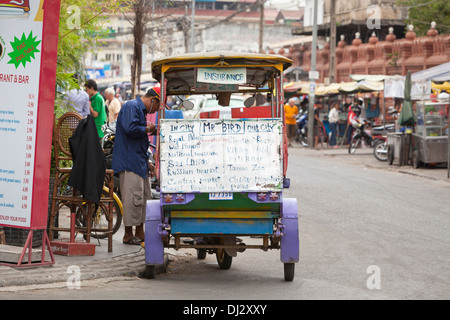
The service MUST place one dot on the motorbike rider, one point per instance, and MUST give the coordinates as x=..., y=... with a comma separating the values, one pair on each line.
x=356, y=122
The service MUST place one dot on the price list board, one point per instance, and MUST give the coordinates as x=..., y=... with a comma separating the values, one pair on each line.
x=28, y=45
x=221, y=156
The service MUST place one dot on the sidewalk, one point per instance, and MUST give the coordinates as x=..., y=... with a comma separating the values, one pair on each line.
x=129, y=260
x=124, y=261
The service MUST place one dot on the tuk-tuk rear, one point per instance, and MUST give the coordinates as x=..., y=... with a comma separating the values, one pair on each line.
x=222, y=180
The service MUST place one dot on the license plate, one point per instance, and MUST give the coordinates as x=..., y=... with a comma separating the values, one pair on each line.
x=221, y=196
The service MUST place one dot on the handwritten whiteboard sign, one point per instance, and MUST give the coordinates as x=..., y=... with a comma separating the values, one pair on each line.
x=222, y=75
x=221, y=156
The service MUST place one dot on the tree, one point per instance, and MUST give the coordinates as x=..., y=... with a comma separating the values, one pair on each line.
x=143, y=12
x=422, y=12
x=80, y=26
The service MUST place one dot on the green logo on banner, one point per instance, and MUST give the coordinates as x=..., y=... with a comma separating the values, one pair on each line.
x=23, y=49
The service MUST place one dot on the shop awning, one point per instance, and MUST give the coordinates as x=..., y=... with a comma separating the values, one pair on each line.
x=335, y=88
x=369, y=77
x=326, y=90
x=438, y=73
x=295, y=86
x=361, y=86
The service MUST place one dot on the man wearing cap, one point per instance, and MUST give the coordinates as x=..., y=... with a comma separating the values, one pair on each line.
x=130, y=161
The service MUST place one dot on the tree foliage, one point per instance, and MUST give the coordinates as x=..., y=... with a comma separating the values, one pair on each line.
x=80, y=28
x=143, y=12
x=422, y=12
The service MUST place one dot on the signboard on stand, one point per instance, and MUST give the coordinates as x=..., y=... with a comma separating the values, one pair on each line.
x=28, y=52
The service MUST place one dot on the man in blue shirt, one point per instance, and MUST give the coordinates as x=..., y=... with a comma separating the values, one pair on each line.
x=130, y=161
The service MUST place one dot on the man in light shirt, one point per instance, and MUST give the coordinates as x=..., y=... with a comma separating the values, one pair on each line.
x=79, y=100
x=333, y=118
x=113, y=104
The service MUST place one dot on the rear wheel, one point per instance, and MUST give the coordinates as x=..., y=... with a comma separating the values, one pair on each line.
x=100, y=218
x=149, y=272
x=354, y=144
x=380, y=150
x=289, y=271
x=201, y=254
x=223, y=259
x=304, y=140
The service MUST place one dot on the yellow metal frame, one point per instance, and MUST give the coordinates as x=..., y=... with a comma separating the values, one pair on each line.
x=165, y=67
x=116, y=198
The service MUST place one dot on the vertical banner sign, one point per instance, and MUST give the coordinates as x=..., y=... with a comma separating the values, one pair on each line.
x=28, y=51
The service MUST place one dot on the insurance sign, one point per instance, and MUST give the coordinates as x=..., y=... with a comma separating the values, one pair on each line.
x=222, y=75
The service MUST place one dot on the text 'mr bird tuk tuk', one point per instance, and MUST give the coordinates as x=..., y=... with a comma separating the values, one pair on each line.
x=222, y=178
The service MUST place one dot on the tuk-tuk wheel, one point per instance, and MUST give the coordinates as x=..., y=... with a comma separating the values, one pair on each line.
x=289, y=270
x=201, y=254
x=149, y=272
x=223, y=259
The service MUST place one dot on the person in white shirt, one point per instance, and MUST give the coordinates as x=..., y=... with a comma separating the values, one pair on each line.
x=333, y=118
x=113, y=104
x=79, y=100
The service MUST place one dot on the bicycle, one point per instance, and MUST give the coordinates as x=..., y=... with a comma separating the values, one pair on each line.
x=99, y=218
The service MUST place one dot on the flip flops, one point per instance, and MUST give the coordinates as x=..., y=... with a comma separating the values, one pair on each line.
x=133, y=241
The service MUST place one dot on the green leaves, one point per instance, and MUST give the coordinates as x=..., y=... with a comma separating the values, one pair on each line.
x=422, y=12
x=80, y=28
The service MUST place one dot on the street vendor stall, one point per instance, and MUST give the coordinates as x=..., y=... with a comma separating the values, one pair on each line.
x=430, y=141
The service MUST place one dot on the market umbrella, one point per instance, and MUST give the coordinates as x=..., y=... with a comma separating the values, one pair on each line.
x=406, y=117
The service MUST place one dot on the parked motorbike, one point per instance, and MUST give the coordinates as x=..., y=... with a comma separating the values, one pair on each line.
x=379, y=133
x=302, y=128
x=360, y=135
x=107, y=142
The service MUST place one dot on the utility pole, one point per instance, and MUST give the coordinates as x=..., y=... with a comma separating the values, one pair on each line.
x=261, y=25
x=333, y=42
x=312, y=78
x=193, y=27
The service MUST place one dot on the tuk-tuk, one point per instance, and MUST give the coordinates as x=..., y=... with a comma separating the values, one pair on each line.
x=222, y=179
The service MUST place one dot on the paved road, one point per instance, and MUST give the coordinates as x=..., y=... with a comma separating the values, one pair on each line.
x=362, y=225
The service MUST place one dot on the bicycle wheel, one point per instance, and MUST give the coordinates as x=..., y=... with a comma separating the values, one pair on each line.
x=354, y=144
x=99, y=219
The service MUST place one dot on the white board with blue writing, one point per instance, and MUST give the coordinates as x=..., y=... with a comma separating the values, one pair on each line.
x=214, y=155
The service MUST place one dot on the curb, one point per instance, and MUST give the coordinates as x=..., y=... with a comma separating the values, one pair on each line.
x=127, y=265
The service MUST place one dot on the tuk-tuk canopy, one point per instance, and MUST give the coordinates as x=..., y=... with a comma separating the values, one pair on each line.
x=181, y=70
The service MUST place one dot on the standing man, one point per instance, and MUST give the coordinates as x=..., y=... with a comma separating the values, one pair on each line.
x=113, y=104
x=79, y=100
x=333, y=118
x=290, y=111
x=130, y=161
x=318, y=127
x=97, y=106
